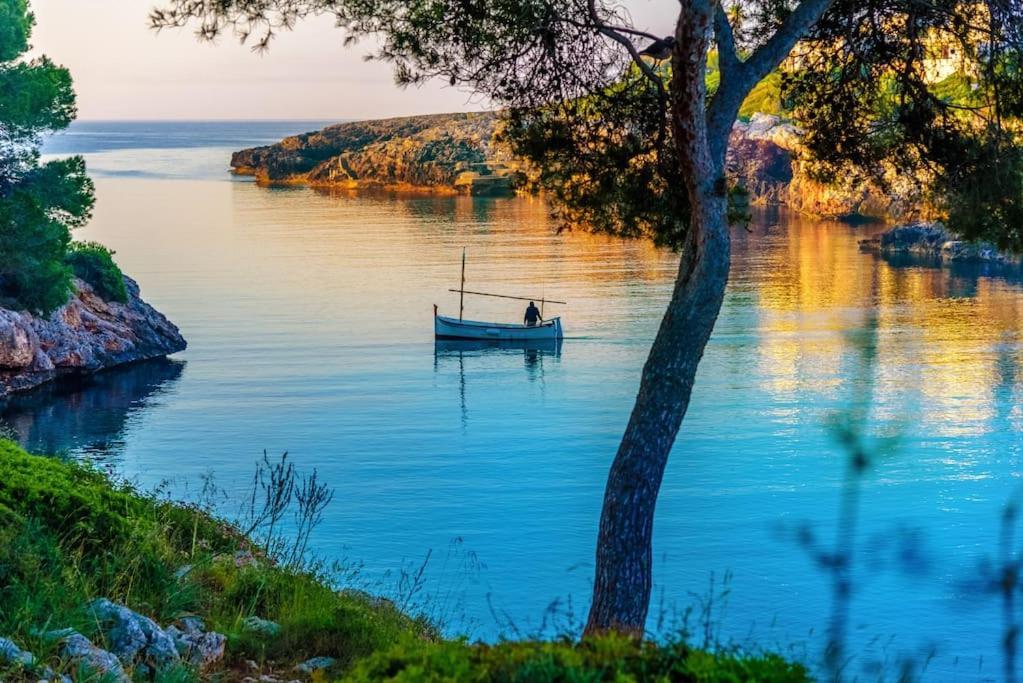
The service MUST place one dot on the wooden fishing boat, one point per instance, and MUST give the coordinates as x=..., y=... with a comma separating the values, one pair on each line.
x=453, y=328
x=458, y=328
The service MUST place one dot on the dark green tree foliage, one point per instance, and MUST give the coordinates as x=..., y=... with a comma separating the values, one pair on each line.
x=39, y=203
x=94, y=264
x=863, y=96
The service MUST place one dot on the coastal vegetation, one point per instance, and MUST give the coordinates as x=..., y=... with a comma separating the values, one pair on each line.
x=41, y=202
x=94, y=263
x=65, y=306
x=634, y=150
x=70, y=536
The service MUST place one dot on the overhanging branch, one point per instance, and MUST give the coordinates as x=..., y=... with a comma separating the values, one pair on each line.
x=728, y=58
x=615, y=35
x=777, y=48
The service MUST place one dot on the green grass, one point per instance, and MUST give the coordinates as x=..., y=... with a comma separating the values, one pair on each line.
x=69, y=535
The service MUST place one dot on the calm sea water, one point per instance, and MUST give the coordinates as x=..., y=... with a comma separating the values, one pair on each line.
x=309, y=320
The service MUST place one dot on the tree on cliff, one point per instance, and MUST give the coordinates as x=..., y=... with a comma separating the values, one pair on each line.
x=39, y=203
x=638, y=148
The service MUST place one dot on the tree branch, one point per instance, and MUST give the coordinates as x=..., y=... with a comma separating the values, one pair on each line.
x=614, y=35
x=777, y=48
x=738, y=78
x=728, y=58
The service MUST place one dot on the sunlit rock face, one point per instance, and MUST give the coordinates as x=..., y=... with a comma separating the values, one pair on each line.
x=85, y=335
x=765, y=156
x=414, y=151
x=761, y=157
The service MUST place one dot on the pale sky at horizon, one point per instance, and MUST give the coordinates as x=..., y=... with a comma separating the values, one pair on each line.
x=123, y=70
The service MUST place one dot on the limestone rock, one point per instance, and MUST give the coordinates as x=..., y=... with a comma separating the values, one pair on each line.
x=82, y=652
x=261, y=626
x=316, y=664
x=198, y=648
x=420, y=151
x=933, y=240
x=135, y=638
x=12, y=654
x=85, y=335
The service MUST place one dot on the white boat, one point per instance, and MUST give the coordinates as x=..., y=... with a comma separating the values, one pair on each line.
x=459, y=328
x=453, y=328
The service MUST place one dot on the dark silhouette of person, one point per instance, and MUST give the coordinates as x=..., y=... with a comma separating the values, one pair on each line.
x=532, y=315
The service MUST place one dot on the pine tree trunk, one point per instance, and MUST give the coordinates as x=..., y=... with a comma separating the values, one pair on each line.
x=623, y=582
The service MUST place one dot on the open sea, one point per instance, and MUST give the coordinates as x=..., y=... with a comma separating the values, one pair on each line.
x=308, y=315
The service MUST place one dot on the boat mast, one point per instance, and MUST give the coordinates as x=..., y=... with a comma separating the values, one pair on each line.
x=461, y=290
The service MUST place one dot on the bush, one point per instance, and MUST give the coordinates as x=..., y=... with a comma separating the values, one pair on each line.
x=94, y=263
x=608, y=658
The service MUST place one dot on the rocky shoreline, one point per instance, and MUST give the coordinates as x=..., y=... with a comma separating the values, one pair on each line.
x=85, y=335
x=932, y=240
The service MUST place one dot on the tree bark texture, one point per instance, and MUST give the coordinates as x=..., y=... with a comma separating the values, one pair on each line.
x=623, y=581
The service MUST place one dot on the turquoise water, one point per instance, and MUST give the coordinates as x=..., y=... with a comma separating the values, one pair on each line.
x=309, y=321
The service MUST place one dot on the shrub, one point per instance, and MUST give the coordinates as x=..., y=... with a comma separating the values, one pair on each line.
x=94, y=263
x=608, y=658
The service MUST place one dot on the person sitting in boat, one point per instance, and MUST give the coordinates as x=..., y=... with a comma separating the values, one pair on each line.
x=532, y=316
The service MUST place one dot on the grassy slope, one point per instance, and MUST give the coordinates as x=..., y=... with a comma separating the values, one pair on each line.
x=67, y=536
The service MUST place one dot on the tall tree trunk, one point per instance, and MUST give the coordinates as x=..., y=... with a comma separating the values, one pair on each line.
x=623, y=582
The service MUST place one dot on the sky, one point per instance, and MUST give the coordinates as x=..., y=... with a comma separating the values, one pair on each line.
x=124, y=70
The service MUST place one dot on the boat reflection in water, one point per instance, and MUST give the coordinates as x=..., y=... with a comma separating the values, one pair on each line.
x=86, y=415
x=477, y=354
x=533, y=351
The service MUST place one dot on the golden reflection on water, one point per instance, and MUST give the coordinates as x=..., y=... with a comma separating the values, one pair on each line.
x=947, y=339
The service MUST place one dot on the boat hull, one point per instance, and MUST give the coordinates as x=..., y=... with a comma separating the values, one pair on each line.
x=452, y=328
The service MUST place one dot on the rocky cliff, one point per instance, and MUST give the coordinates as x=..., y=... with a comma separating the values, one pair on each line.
x=85, y=335
x=764, y=153
x=457, y=152
x=408, y=152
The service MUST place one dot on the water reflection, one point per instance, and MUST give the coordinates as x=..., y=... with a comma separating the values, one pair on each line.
x=533, y=352
x=87, y=415
x=964, y=277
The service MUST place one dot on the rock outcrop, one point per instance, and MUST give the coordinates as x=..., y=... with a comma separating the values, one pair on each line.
x=78, y=649
x=197, y=646
x=765, y=155
x=85, y=335
x=135, y=639
x=933, y=240
x=407, y=152
x=24, y=662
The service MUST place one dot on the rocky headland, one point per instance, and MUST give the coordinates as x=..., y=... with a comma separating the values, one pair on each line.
x=85, y=335
x=434, y=153
x=449, y=153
